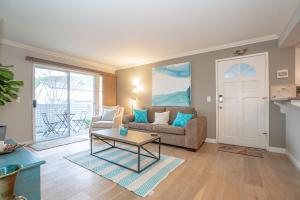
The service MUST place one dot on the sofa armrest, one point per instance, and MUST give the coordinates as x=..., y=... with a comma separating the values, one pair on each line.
x=128, y=118
x=196, y=131
x=96, y=118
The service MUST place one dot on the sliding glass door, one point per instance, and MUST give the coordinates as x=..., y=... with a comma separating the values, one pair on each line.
x=63, y=103
x=81, y=102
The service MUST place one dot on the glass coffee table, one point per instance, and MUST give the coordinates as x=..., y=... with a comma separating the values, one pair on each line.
x=133, y=138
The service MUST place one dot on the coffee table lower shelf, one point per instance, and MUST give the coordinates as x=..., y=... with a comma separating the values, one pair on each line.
x=139, y=154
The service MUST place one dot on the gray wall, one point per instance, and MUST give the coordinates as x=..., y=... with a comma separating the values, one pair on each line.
x=18, y=116
x=204, y=83
x=292, y=132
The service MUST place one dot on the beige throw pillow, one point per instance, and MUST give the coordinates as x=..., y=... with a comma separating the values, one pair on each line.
x=161, y=118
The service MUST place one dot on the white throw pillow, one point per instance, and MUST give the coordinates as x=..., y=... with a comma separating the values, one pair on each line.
x=108, y=114
x=161, y=118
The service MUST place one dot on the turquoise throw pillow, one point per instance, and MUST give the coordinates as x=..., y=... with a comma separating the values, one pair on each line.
x=140, y=116
x=182, y=119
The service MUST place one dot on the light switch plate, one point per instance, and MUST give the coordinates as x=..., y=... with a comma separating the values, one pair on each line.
x=208, y=99
x=284, y=73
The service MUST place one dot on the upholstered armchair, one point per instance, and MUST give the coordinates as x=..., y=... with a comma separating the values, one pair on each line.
x=99, y=122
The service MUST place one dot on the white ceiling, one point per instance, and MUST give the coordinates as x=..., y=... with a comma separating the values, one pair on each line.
x=130, y=32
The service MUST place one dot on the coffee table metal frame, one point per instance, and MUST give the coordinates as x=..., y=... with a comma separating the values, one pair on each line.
x=139, y=154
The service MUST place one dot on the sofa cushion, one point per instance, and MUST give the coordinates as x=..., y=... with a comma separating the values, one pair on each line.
x=141, y=126
x=175, y=110
x=140, y=116
x=102, y=124
x=169, y=129
x=152, y=110
x=182, y=119
x=162, y=118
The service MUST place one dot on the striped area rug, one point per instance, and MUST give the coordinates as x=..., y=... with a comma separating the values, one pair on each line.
x=141, y=184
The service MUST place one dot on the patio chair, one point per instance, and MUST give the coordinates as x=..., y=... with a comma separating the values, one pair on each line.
x=50, y=126
x=80, y=122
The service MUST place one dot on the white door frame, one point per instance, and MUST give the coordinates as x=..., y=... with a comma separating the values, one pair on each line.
x=266, y=54
x=32, y=108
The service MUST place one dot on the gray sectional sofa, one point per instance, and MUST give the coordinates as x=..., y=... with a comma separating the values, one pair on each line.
x=190, y=137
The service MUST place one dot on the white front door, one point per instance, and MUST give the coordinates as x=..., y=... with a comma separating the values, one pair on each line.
x=242, y=102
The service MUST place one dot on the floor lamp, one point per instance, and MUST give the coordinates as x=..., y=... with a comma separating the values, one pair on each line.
x=133, y=97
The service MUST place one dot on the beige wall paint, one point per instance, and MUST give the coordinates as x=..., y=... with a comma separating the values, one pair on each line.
x=18, y=116
x=204, y=83
x=297, y=66
x=1, y=28
x=109, y=90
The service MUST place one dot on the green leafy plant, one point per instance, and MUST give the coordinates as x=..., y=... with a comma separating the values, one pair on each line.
x=9, y=87
x=87, y=122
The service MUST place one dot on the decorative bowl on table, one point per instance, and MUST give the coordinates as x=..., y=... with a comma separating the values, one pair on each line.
x=8, y=148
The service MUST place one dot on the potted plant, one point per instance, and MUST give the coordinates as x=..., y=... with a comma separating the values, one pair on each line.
x=8, y=175
x=9, y=89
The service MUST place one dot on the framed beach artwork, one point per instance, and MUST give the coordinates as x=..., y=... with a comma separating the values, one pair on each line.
x=171, y=85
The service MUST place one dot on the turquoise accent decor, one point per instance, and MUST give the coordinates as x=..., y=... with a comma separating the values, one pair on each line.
x=141, y=184
x=182, y=119
x=181, y=70
x=28, y=181
x=123, y=131
x=140, y=116
x=177, y=98
x=8, y=169
x=171, y=85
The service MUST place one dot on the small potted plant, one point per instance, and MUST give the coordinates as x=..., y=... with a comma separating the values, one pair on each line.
x=9, y=89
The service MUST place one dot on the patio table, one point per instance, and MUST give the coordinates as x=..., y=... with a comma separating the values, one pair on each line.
x=64, y=121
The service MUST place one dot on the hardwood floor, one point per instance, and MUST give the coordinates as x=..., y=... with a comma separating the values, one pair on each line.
x=206, y=174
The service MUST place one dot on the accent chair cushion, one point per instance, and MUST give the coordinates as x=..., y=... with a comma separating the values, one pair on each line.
x=161, y=118
x=182, y=119
x=140, y=116
x=108, y=114
x=169, y=129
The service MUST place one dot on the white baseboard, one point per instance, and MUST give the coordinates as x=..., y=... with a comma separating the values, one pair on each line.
x=289, y=155
x=277, y=150
x=26, y=142
x=293, y=160
x=211, y=140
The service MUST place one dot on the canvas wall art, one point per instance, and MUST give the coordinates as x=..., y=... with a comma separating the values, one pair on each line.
x=171, y=85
